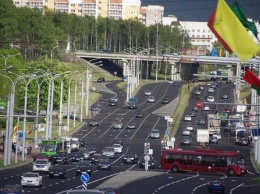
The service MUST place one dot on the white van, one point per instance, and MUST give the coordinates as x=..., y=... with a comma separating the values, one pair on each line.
x=75, y=143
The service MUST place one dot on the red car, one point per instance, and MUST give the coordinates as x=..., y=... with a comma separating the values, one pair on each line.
x=199, y=104
x=40, y=156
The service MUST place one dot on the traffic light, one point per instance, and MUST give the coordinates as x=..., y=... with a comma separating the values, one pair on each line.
x=146, y=148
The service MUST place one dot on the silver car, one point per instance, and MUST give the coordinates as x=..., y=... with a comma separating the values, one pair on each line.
x=31, y=179
x=118, y=125
x=151, y=99
x=41, y=165
x=155, y=134
x=109, y=152
x=148, y=92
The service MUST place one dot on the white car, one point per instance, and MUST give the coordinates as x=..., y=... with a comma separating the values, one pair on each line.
x=118, y=125
x=31, y=179
x=155, y=134
x=151, y=99
x=148, y=93
x=187, y=118
x=185, y=133
x=218, y=135
x=190, y=128
x=210, y=99
x=109, y=152
x=41, y=165
x=206, y=108
x=118, y=148
x=211, y=90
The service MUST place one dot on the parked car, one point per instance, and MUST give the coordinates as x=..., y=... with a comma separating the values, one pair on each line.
x=94, y=122
x=216, y=185
x=155, y=134
x=101, y=79
x=130, y=158
x=186, y=141
x=104, y=163
x=61, y=157
x=31, y=179
x=131, y=125
x=148, y=93
x=151, y=162
x=95, y=158
x=151, y=99
x=41, y=165
x=108, y=152
x=58, y=171
x=14, y=189
x=83, y=167
x=117, y=148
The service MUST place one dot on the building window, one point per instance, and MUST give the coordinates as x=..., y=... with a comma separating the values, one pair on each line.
x=80, y=5
x=203, y=30
x=198, y=36
x=72, y=4
x=203, y=36
x=193, y=30
x=208, y=36
x=198, y=30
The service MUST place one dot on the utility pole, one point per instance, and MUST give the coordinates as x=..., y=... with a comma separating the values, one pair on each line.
x=157, y=51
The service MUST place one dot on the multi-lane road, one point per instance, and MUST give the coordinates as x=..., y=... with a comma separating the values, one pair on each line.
x=134, y=140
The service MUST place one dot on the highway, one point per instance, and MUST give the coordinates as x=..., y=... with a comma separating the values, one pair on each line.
x=134, y=140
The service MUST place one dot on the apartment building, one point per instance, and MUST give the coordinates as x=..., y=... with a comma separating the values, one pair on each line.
x=117, y=9
x=151, y=15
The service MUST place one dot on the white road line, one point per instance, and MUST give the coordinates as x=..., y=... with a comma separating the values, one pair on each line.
x=153, y=127
x=231, y=190
x=140, y=126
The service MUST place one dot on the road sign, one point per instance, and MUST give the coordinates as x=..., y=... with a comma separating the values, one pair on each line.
x=146, y=157
x=146, y=162
x=20, y=135
x=255, y=132
x=167, y=132
x=84, y=177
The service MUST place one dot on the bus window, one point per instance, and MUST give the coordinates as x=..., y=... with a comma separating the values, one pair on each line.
x=187, y=160
x=170, y=158
x=221, y=162
x=210, y=161
x=198, y=160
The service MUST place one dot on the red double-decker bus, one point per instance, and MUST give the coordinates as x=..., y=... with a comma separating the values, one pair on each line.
x=203, y=160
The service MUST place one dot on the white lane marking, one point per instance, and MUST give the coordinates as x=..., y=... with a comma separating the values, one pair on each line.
x=139, y=126
x=180, y=180
x=105, y=131
x=231, y=190
x=250, y=172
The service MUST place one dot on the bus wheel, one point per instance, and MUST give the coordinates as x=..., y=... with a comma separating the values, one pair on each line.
x=231, y=172
x=175, y=168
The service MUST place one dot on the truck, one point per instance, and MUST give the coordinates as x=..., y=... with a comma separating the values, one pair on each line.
x=214, y=123
x=202, y=136
x=132, y=103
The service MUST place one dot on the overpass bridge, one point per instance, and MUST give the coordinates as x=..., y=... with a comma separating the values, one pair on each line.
x=182, y=66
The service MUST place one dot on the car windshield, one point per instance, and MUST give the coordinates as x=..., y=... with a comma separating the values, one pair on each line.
x=57, y=168
x=216, y=181
x=129, y=155
x=41, y=162
x=116, y=146
x=155, y=131
x=104, y=160
x=30, y=175
x=60, y=154
x=108, y=149
x=186, y=138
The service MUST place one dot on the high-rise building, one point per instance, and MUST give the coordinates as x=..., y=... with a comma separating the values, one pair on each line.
x=151, y=15
x=116, y=9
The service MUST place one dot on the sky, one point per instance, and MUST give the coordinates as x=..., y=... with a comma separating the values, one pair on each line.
x=200, y=10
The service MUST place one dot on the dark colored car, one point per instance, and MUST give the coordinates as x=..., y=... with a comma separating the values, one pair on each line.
x=201, y=122
x=131, y=125
x=101, y=79
x=95, y=158
x=104, y=163
x=81, y=142
x=12, y=189
x=61, y=157
x=93, y=122
x=186, y=141
x=165, y=100
x=151, y=162
x=41, y=156
x=77, y=157
x=57, y=171
x=195, y=108
x=92, y=148
x=83, y=167
x=216, y=185
x=130, y=158
x=94, y=107
x=139, y=114
x=213, y=140
x=112, y=103
x=175, y=83
x=192, y=113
